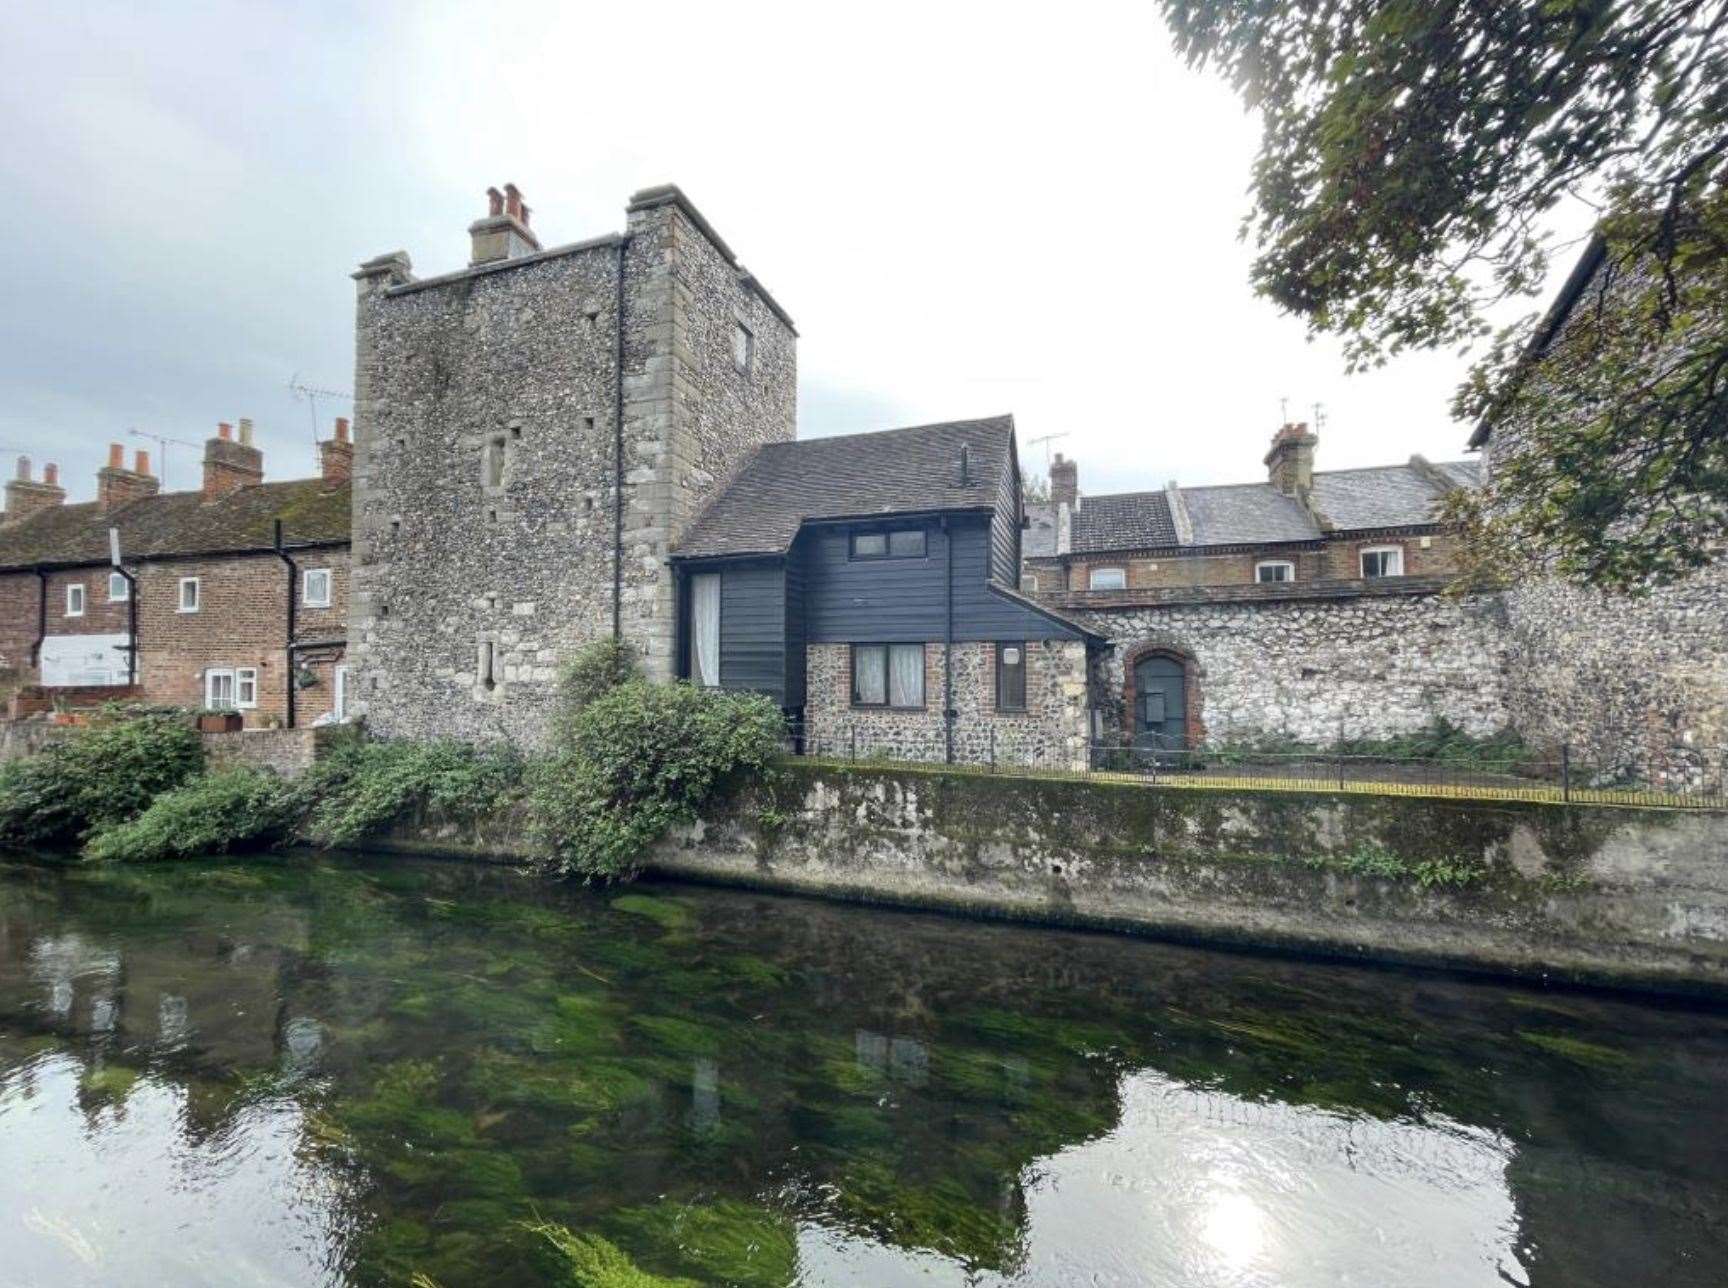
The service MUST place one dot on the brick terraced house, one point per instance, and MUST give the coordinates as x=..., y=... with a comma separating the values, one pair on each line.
x=235, y=595
x=1295, y=608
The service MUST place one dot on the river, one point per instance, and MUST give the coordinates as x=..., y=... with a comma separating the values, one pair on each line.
x=313, y=1070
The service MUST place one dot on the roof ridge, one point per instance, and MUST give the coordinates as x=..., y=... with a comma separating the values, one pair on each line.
x=896, y=429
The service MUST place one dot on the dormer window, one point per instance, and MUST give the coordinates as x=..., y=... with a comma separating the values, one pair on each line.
x=891, y=543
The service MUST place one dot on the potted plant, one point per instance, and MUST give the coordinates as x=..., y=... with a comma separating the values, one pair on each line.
x=214, y=720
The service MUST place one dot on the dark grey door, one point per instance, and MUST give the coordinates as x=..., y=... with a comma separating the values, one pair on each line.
x=1160, y=705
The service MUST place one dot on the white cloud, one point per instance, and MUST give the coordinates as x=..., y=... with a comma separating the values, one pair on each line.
x=968, y=209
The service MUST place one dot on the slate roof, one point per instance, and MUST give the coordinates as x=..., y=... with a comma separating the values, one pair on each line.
x=181, y=523
x=1129, y=519
x=910, y=470
x=1382, y=496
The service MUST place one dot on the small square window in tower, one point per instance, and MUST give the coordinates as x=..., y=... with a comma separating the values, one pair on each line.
x=743, y=347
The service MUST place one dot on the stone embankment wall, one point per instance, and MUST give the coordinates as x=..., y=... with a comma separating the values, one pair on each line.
x=286, y=751
x=1371, y=666
x=1619, y=897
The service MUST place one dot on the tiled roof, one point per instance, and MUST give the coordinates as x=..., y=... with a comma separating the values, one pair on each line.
x=891, y=471
x=1129, y=519
x=180, y=523
x=1382, y=496
x=1385, y=496
x=1246, y=514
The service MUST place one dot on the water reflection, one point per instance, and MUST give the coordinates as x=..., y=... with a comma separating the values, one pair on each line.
x=317, y=1072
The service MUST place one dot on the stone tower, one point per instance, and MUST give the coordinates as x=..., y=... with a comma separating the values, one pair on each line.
x=533, y=433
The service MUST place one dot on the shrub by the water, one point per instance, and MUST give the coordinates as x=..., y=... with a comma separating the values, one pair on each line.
x=358, y=788
x=231, y=809
x=98, y=777
x=632, y=759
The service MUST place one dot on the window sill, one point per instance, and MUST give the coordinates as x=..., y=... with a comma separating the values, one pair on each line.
x=872, y=706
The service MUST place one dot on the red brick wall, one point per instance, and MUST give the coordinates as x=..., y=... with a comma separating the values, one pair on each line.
x=241, y=622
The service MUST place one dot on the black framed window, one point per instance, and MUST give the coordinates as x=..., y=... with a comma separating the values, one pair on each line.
x=889, y=543
x=888, y=675
x=1011, y=676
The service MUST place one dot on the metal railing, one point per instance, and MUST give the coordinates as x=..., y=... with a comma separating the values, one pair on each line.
x=1684, y=777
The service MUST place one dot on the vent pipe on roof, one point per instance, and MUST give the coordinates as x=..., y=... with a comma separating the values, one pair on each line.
x=965, y=465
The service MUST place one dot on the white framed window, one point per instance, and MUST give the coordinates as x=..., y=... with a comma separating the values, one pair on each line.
x=1383, y=561
x=743, y=347
x=315, y=588
x=1269, y=570
x=119, y=591
x=189, y=595
x=340, y=708
x=231, y=688
x=75, y=600
x=1107, y=579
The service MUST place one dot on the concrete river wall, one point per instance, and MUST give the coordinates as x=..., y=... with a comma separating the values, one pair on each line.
x=1619, y=897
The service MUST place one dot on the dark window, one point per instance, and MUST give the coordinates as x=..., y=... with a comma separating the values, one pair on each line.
x=888, y=675
x=743, y=347
x=907, y=543
x=895, y=543
x=1011, y=676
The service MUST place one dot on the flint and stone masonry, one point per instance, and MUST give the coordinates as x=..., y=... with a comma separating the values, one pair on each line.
x=493, y=415
x=1374, y=666
x=1050, y=731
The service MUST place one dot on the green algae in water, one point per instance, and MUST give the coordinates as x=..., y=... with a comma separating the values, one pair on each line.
x=724, y=1241
x=1576, y=1050
x=588, y=1261
x=684, y=1083
x=668, y=914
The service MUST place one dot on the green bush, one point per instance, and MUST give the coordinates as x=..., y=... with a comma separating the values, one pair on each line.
x=229, y=810
x=98, y=777
x=637, y=759
x=359, y=787
x=595, y=671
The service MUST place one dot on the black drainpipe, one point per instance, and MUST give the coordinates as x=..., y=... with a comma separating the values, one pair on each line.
x=618, y=451
x=131, y=625
x=288, y=652
x=41, y=621
x=948, y=648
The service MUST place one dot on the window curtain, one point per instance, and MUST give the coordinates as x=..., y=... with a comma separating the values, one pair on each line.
x=870, y=675
x=705, y=629
x=906, y=676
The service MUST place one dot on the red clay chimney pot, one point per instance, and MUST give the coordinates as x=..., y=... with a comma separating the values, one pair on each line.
x=116, y=456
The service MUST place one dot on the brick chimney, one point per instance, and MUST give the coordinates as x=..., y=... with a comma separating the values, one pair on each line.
x=1064, y=482
x=1290, y=463
x=117, y=486
x=25, y=497
x=231, y=465
x=504, y=232
x=336, y=455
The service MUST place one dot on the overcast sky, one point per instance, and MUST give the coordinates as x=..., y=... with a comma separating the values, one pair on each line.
x=967, y=210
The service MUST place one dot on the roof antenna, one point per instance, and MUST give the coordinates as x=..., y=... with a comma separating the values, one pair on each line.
x=1284, y=410
x=1319, y=417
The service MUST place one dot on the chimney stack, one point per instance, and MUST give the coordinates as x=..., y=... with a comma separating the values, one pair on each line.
x=117, y=486
x=230, y=465
x=504, y=232
x=1290, y=463
x=336, y=455
x=25, y=497
x=1064, y=482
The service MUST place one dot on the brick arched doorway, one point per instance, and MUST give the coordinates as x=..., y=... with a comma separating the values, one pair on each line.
x=1175, y=675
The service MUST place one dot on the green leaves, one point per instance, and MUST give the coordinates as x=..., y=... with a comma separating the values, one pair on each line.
x=1410, y=154
x=633, y=759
